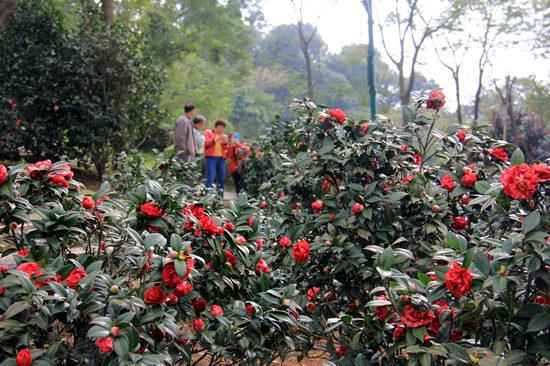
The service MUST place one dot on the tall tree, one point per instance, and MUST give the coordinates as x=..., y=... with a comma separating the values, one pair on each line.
x=497, y=18
x=453, y=63
x=413, y=29
x=108, y=8
x=305, y=41
x=7, y=7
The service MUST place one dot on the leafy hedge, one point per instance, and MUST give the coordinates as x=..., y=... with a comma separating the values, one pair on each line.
x=381, y=245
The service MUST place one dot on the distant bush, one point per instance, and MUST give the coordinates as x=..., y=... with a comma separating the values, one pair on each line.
x=84, y=95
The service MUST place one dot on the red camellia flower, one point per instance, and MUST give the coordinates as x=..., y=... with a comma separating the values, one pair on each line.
x=542, y=171
x=240, y=240
x=24, y=358
x=29, y=268
x=115, y=331
x=461, y=135
x=459, y=223
x=229, y=226
x=301, y=251
x=59, y=180
x=310, y=307
x=262, y=266
x=250, y=220
x=338, y=115
x=88, y=203
x=194, y=210
x=216, y=310
x=250, y=310
x=398, y=332
x=23, y=252
x=170, y=277
x=458, y=280
x=312, y=293
x=230, y=257
x=3, y=174
x=105, y=344
x=199, y=305
x=285, y=242
x=407, y=179
x=209, y=226
x=357, y=208
x=417, y=159
x=382, y=312
x=436, y=100
x=317, y=206
x=75, y=277
x=155, y=296
x=499, y=154
x=198, y=325
x=151, y=210
x=259, y=244
x=455, y=336
x=415, y=317
x=35, y=170
x=364, y=128
x=448, y=183
x=183, y=288
x=519, y=181
x=465, y=200
x=332, y=217
x=263, y=204
x=469, y=179
x=326, y=185
x=341, y=350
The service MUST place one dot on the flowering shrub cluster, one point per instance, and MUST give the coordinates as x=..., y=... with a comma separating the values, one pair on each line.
x=384, y=246
x=426, y=246
x=145, y=277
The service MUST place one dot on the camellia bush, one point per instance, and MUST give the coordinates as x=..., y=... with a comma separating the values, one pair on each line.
x=378, y=244
x=414, y=246
x=147, y=277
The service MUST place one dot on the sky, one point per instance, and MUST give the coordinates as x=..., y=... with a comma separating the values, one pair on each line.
x=344, y=22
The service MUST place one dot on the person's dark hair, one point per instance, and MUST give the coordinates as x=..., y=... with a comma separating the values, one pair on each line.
x=189, y=107
x=198, y=119
x=220, y=122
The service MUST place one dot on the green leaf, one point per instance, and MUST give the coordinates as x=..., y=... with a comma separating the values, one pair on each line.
x=175, y=242
x=482, y=186
x=531, y=222
x=419, y=333
x=97, y=331
x=458, y=352
x=16, y=308
x=482, y=263
x=181, y=267
x=360, y=360
x=121, y=346
x=539, y=322
x=517, y=157
x=468, y=256
x=394, y=197
x=387, y=258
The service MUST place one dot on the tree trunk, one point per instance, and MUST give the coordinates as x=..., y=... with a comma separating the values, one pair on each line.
x=108, y=7
x=477, y=99
x=7, y=7
x=100, y=167
x=307, y=57
x=459, y=105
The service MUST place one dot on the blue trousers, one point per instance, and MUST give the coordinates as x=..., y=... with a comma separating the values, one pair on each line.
x=215, y=169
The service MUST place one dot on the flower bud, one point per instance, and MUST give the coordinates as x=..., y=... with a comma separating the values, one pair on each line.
x=115, y=331
x=113, y=290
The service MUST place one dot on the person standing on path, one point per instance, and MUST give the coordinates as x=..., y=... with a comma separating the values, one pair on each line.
x=215, y=146
x=198, y=126
x=237, y=152
x=184, y=141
